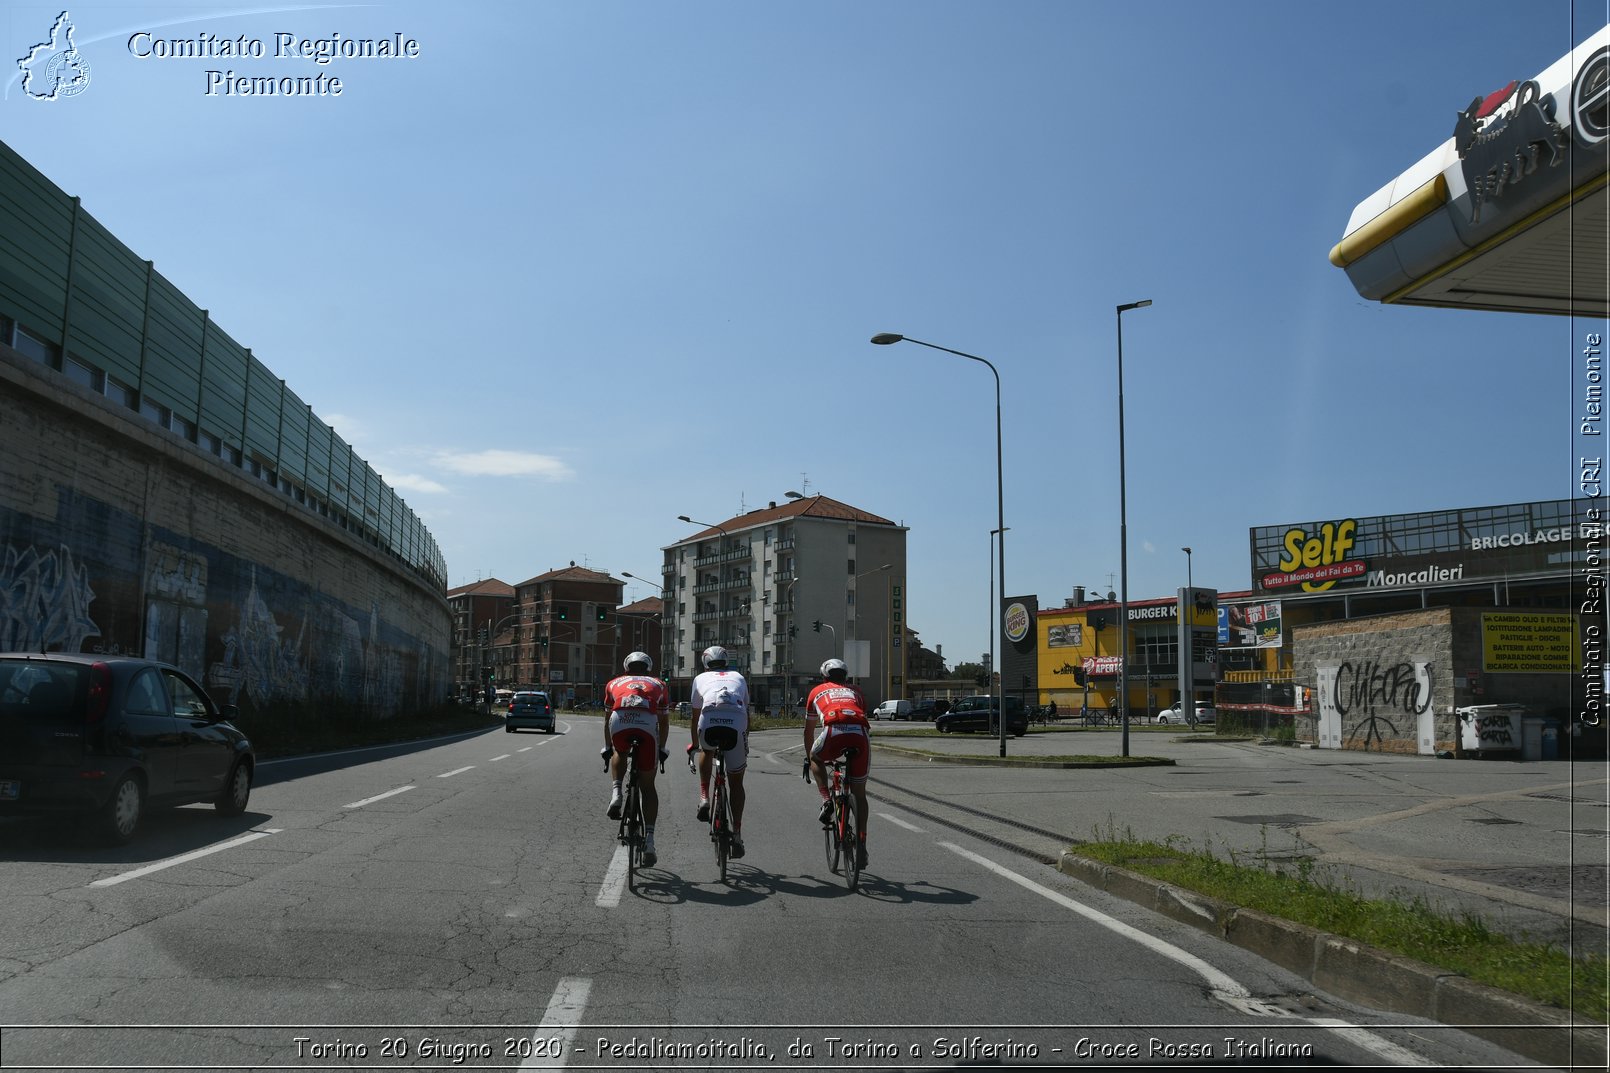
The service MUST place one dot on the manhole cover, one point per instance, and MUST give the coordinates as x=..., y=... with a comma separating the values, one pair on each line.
x=1284, y=819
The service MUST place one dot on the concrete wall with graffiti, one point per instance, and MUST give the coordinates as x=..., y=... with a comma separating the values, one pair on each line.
x=1392, y=683
x=118, y=537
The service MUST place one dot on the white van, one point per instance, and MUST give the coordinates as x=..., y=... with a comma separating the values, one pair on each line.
x=892, y=709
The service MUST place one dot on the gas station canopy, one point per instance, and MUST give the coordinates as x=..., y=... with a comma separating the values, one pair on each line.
x=1512, y=213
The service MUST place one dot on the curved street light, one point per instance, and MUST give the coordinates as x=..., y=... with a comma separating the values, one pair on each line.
x=1123, y=536
x=998, y=624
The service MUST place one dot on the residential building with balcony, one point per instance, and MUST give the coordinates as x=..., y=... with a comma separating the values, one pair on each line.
x=785, y=587
x=480, y=611
x=571, y=632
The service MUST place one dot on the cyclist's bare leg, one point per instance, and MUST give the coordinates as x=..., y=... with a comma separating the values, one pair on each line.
x=858, y=791
x=704, y=775
x=735, y=779
x=650, y=796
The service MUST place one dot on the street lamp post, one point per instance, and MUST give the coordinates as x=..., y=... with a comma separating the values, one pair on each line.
x=856, y=628
x=997, y=626
x=1187, y=552
x=1123, y=538
x=995, y=670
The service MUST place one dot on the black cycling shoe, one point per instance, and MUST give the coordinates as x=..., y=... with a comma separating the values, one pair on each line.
x=737, y=848
x=826, y=815
x=649, y=857
x=860, y=855
x=703, y=815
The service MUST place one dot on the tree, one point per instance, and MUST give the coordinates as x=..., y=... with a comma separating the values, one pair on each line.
x=967, y=671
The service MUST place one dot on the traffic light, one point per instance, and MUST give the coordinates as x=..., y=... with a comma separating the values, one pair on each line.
x=600, y=614
x=564, y=614
x=817, y=625
x=544, y=641
x=481, y=634
x=793, y=630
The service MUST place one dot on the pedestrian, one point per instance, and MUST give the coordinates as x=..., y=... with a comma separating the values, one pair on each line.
x=1051, y=712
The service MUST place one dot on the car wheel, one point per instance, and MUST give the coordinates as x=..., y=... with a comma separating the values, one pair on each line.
x=1163, y=719
x=943, y=729
x=238, y=788
x=120, y=818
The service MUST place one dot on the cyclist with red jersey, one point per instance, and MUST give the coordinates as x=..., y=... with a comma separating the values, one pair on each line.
x=639, y=719
x=835, y=722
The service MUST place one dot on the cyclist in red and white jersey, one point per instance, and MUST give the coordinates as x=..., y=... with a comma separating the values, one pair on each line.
x=720, y=704
x=835, y=722
x=639, y=719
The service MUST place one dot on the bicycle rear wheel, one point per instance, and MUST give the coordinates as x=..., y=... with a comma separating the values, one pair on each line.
x=720, y=821
x=847, y=850
x=632, y=826
x=830, y=837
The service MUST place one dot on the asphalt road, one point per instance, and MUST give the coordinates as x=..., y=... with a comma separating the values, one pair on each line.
x=456, y=906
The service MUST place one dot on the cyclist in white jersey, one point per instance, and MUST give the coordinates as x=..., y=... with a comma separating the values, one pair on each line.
x=720, y=704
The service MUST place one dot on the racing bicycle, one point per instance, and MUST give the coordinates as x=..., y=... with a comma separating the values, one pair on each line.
x=840, y=837
x=721, y=829
x=633, y=831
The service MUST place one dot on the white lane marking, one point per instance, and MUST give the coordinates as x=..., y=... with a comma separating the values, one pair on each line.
x=495, y=759
x=379, y=797
x=527, y=749
x=1369, y=1041
x=456, y=771
x=1216, y=980
x=609, y=894
x=563, y=1019
x=183, y=857
x=1224, y=988
x=898, y=822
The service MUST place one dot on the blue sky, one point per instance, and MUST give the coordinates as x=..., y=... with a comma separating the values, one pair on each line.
x=582, y=267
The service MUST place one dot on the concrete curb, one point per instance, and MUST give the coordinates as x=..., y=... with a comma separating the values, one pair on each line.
x=996, y=761
x=1365, y=974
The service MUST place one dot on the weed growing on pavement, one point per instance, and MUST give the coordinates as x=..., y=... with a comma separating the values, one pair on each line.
x=1401, y=923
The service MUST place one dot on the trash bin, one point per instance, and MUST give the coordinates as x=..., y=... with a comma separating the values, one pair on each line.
x=1485, y=729
x=1551, y=740
x=1532, y=737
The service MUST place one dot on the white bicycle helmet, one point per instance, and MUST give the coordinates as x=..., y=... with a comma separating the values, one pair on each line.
x=834, y=665
x=714, y=654
x=638, y=657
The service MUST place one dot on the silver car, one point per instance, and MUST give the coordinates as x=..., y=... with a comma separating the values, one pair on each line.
x=530, y=710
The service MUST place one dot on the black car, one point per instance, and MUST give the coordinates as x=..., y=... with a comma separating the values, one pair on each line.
x=106, y=736
x=981, y=713
x=929, y=709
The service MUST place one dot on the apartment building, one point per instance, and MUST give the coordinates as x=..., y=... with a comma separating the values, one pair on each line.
x=481, y=612
x=785, y=587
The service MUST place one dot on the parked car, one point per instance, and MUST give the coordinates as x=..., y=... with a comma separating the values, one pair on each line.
x=530, y=709
x=1204, y=714
x=107, y=736
x=981, y=713
x=928, y=709
x=892, y=709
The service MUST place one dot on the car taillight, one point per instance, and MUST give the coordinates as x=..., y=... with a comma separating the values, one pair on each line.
x=100, y=693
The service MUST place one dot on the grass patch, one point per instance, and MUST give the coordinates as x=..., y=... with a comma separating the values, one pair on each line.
x=1300, y=890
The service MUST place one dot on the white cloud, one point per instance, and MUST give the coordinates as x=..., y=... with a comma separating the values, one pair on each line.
x=504, y=464
x=413, y=482
x=347, y=427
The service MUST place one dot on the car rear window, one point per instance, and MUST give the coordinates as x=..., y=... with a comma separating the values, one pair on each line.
x=41, y=693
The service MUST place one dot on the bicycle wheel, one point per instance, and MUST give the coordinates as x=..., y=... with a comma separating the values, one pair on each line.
x=720, y=829
x=830, y=838
x=849, y=844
